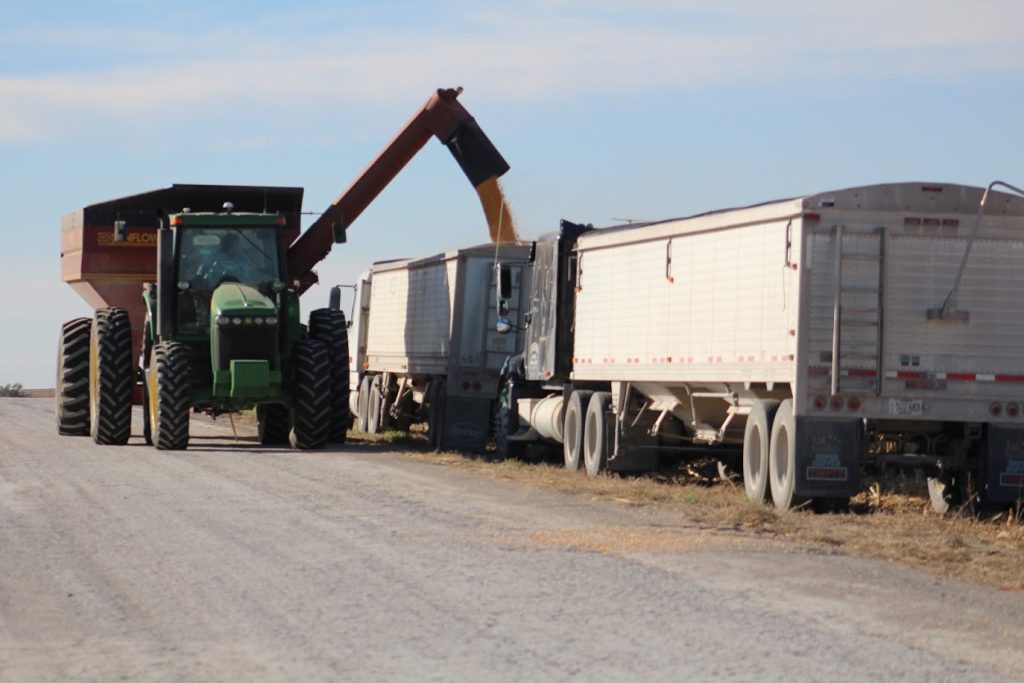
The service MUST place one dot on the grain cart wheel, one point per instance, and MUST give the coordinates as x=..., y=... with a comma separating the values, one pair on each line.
x=948, y=492
x=374, y=406
x=168, y=396
x=328, y=325
x=436, y=414
x=311, y=408
x=572, y=432
x=782, y=458
x=506, y=450
x=72, y=394
x=756, y=439
x=111, y=376
x=363, y=404
x=273, y=424
x=595, y=433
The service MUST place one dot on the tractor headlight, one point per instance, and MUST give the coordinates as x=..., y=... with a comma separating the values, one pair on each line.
x=248, y=321
x=223, y=320
x=236, y=321
x=258, y=320
x=271, y=320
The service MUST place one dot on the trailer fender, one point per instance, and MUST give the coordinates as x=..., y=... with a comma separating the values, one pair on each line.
x=827, y=457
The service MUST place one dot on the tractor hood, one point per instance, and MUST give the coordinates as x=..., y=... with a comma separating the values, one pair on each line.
x=236, y=299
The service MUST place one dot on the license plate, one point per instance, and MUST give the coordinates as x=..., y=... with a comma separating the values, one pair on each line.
x=906, y=406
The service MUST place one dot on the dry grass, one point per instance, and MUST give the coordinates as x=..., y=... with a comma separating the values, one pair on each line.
x=891, y=520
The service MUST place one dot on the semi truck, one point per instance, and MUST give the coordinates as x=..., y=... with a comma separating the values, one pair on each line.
x=425, y=342
x=196, y=295
x=819, y=335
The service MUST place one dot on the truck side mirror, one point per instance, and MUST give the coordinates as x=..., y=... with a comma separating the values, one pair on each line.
x=504, y=282
x=338, y=233
x=120, y=231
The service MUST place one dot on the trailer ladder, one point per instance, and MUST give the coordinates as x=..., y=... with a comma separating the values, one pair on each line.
x=857, y=320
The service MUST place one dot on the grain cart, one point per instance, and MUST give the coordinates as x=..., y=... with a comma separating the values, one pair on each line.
x=877, y=324
x=432, y=352
x=109, y=254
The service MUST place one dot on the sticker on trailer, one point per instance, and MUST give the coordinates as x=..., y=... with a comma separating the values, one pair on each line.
x=826, y=467
x=906, y=406
x=1013, y=477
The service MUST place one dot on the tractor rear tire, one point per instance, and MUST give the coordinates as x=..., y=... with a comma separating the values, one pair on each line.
x=72, y=394
x=111, y=377
x=169, y=404
x=328, y=326
x=311, y=399
x=273, y=424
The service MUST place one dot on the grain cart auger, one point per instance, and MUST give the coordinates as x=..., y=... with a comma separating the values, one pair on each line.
x=217, y=327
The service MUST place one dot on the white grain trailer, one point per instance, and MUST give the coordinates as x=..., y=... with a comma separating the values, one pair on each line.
x=425, y=339
x=820, y=333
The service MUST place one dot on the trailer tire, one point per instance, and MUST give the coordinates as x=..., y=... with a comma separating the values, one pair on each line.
x=756, y=449
x=273, y=424
x=72, y=393
x=328, y=326
x=436, y=414
x=169, y=396
x=310, y=414
x=782, y=458
x=572, y=429
x=111, y=377
x=363, y=404
x=374, y=406
x=947, y=492
x=505, y=449
x=595, y=433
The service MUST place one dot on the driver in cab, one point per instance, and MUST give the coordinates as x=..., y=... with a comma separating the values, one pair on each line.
x=228, y=265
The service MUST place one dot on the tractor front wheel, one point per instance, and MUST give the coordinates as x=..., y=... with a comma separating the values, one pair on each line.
x=274, y=424
x=168, y=391
x=328, y=326
x=72, y=394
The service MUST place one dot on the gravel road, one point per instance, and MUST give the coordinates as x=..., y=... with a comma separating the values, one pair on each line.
x=232, y=562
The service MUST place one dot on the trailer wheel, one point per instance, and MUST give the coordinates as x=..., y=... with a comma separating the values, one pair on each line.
x=506, y=450
x=572, y=431
x=374, y=405
x=363, y=404
x=111, y=376
x=756, y=439
x=435, y=414
x=273, y=424
x=311, y=409
x=595, y=433
x=328, y=325
x=782, y=458
x=947, y=492
x=169, y=396
x=72, y=393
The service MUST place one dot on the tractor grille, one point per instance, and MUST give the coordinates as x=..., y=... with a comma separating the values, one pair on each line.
x=246, y=343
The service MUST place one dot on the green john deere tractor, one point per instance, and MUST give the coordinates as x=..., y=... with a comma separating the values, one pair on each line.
x=222, y=333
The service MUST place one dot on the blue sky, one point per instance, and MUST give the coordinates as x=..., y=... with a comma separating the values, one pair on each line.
x=605, y=109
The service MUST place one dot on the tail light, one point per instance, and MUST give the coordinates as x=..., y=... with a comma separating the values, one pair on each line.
x=835, y=403
x=819, y=403
x=1012, y=410
x=996, y=409
x=853, y=403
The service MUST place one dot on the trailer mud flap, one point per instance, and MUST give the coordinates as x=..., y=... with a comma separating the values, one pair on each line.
x=827, y=457
x=1004, y=464
x=467, y=422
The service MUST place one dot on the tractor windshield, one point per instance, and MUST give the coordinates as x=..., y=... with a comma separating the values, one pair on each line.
x=212, y=256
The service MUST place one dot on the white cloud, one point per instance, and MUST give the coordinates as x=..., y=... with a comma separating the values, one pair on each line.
x=560, y=49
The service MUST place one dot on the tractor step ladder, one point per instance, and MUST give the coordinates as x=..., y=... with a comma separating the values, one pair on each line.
x=867, y=314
